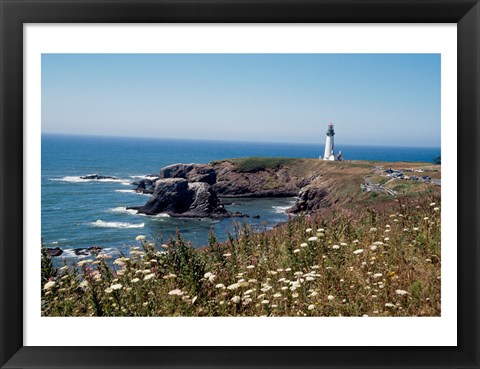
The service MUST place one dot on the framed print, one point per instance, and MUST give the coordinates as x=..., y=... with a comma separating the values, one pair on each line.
x=233, y=184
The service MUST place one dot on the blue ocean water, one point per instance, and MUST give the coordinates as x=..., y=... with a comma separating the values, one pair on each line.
x=80, y=213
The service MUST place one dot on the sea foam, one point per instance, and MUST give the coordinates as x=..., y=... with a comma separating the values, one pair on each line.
x=101, y=224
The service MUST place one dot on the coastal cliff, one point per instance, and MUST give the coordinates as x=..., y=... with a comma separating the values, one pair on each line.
x=196, y=190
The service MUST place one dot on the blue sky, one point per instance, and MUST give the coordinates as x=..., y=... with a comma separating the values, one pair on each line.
x=373, y=99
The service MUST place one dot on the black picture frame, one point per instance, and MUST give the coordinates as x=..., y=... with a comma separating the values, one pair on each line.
x=15, y=13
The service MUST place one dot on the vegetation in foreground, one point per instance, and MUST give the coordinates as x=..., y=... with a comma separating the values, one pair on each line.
x=378, y=261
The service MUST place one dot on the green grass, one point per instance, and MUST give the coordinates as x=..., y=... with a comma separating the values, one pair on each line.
x=254, y=164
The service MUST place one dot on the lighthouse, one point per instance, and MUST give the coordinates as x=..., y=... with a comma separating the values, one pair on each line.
x=329, y=146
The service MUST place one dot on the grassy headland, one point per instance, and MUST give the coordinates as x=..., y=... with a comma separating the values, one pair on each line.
x=375, y=255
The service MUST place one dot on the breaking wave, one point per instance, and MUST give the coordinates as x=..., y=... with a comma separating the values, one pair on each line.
x=101, y=224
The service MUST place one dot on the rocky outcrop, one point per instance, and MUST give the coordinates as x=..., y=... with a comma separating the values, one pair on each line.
x=263, y=183
x=194, y=190
x=96, y=176
x=178, y=197
x=310, y=198
x=191, y=172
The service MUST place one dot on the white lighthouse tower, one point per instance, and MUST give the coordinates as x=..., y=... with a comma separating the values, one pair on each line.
x=329, y=146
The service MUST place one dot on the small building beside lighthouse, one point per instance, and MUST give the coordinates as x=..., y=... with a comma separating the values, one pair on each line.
x=329, y=153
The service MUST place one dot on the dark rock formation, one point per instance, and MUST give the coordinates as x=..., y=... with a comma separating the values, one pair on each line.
x=178, y=197
x=93, y=250
x=310, y=198
x=145, y=185
x=96, y=176
x=54, y=251
x=191, y=172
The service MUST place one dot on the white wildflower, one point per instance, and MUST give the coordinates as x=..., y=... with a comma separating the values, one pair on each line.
x=48, y=285
x=149, y=276
x=311, y=307
x=314, y=238
x=176, y=292
x=140, y=238
x=359, y=251
x=401, y=292
x=330, y=297
x=235, y=299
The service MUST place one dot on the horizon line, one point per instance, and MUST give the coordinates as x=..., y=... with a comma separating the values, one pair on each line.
x=227, y=140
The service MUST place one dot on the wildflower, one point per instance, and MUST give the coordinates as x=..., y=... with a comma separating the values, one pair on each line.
x=83, y=262
x=288, y=269
x=311, y=307
x=335, y=247
x=355, y=241
x=386, y=239
x=140, y=238
x=309, y=278
x=176, y=292
x=426, y=218
x=227, y=255
x=377, y=275
x=314, y=238
x=330, y=298
x=261, y=296
x=248, y=292
x=149, y=276
x=314, y=293
x=220, y=285
x=135, y=280
x=235, y=299
x=265, y=302
x=304, y=244
x=373, y=229
x=359, y=251
x=208, y=275
x=233, y=286
x=401, y=292
x=320, y=230
x=108, y=290
x=117, y=286
x=373, y=247
x=48, y=285
x=170, y=275
x=84, y=284
x=389, y=305
x=296, y=251
x=415, y=229
x=436, y=209
x=277, y=295
x=250, y=266
x=308, y=230
x=433, y=204
x=343, y=244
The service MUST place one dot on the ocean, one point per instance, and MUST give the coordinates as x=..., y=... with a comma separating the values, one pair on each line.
x=80, y=213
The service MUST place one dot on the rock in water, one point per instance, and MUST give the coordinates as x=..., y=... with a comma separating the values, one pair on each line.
x=96, y=176
x=176, y=171
x=171, y=195
x=178, y=197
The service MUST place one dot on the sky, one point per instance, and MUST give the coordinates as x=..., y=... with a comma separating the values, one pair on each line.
x=372, y=99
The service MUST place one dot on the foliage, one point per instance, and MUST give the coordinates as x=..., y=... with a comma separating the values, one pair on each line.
x=255, y=164
x=383, y=260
